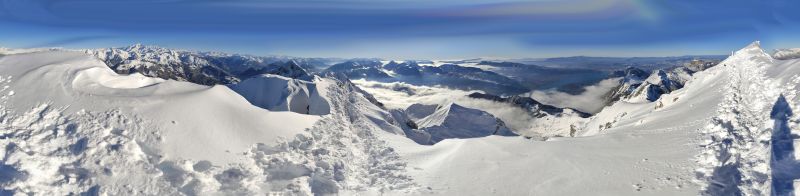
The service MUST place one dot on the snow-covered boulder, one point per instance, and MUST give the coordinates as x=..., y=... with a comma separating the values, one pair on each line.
x=278, y=93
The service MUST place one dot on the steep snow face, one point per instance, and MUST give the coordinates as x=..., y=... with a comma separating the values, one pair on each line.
x=277, y=93
x=196, y=67
x=455, y=121
x=70, y=125
x=419, y=111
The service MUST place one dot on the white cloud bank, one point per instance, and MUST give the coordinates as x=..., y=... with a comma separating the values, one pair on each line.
x=401, y=95
x=592, y=100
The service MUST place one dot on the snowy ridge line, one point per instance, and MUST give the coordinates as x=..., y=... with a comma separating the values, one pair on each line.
x=736, y=156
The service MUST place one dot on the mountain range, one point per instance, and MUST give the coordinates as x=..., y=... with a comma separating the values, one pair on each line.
x=154, y=121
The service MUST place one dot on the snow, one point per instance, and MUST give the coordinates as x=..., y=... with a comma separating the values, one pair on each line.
x=70, y=125
x=108, y=79
x=418, y=111
x=119, y=118
x=455, y=121
x=278, y=93
x=651, y=148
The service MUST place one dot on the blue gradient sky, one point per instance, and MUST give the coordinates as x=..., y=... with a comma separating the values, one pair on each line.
x=412, y=29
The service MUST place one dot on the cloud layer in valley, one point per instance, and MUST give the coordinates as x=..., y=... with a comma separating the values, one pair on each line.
x=592, y=99
x=400, y=95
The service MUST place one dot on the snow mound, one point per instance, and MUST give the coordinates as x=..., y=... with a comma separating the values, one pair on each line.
x=107, y=78
x=278, y=93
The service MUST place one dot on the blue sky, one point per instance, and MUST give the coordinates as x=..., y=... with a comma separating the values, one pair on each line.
x=411, y=29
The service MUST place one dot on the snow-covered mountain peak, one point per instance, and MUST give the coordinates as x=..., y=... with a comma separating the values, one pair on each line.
x=753, y=50
x=456, y=121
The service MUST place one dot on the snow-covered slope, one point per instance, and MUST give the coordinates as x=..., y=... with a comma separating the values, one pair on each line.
x=70, y=125
x=710, y=137
x=278, y=93
x=419, y=111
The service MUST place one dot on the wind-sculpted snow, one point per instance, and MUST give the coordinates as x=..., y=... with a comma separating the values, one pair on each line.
x=277, y=93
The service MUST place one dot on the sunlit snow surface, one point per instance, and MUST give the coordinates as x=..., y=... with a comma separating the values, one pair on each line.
x=71, y=125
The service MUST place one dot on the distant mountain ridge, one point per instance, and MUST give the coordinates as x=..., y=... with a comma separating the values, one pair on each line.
x=639, y=85
x=207, y=68
x=448, y=75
